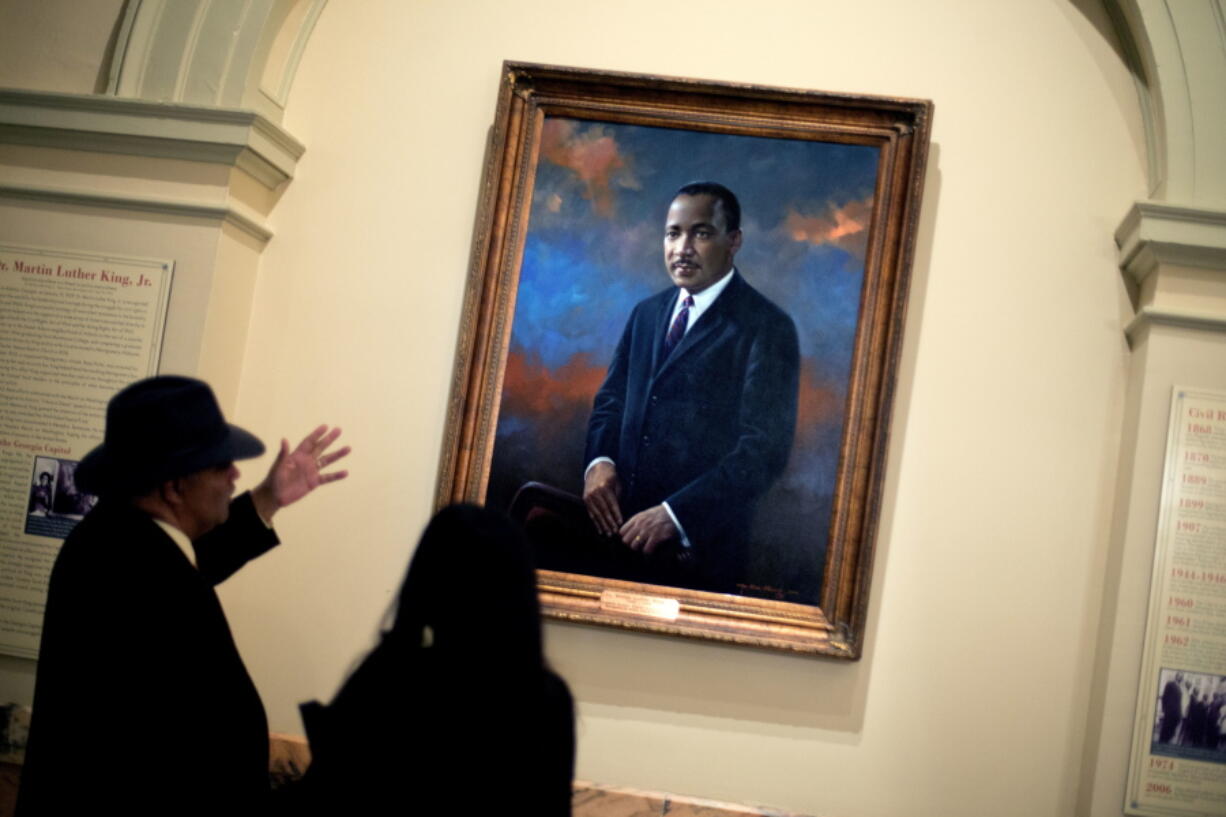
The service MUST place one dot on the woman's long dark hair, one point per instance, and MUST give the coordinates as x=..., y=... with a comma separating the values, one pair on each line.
x=470, y=591
x=460, y=675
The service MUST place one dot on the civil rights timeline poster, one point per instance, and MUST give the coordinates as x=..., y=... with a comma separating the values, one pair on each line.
x=1178, y=762
x=75, y=327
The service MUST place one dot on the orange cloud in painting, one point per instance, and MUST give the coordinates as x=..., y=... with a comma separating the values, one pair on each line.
x=592, y=155
x=845, y=227
x=532, y=389
x=562, y=397
x=819, y=404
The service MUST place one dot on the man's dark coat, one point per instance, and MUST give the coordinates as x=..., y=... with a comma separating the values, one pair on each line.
x=710, y=428
x=142, y=704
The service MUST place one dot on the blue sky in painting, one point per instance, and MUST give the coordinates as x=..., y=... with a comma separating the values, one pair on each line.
x=584, y=269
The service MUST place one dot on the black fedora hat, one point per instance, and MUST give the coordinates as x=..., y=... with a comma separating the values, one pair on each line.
x=158, y=429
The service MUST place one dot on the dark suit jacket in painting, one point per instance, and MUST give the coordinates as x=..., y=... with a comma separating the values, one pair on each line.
x=707, y=430
x=142, y=704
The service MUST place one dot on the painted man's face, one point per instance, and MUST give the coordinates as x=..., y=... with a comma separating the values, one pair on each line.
x=698, y=248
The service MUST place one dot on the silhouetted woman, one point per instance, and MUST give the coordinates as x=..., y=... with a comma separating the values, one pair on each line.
x=456, y=710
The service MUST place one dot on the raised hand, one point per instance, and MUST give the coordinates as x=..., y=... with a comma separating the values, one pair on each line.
x=294, y=474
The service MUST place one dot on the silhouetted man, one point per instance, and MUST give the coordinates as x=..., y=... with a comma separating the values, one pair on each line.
x=142, y=704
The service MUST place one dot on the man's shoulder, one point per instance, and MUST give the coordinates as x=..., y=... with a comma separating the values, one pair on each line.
x=111, y=515
x=111, y=534
x=662, y=298
x=744, y=297
x=651, y=307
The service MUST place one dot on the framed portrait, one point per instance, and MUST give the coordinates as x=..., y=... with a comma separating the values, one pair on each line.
x=719, y=477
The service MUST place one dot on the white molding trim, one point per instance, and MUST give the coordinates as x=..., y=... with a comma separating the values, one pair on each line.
x=278, y=75
x=1181, y=318
x=1182, y=49
x=1128, y=28
x=238, y=53
x=1153, y=233
x=233, y=214
x=239, y=138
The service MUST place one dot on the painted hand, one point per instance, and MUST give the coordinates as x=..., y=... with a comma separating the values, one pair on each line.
x=647, y=529
x=601, y=489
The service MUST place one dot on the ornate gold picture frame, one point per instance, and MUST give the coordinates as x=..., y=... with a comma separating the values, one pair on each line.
x=581, y=169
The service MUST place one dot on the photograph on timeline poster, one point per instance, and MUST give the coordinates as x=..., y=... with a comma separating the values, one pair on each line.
x=1178, y=761
x=1190, y=718
x=55, y=503
x=736, y=453
x=75, y=327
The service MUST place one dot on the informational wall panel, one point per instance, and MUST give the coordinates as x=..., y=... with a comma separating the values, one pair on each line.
x=1178, y=764
x=75, y=327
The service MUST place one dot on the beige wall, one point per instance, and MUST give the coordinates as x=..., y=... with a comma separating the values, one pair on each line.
x=969, y=700
x=971, y=697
